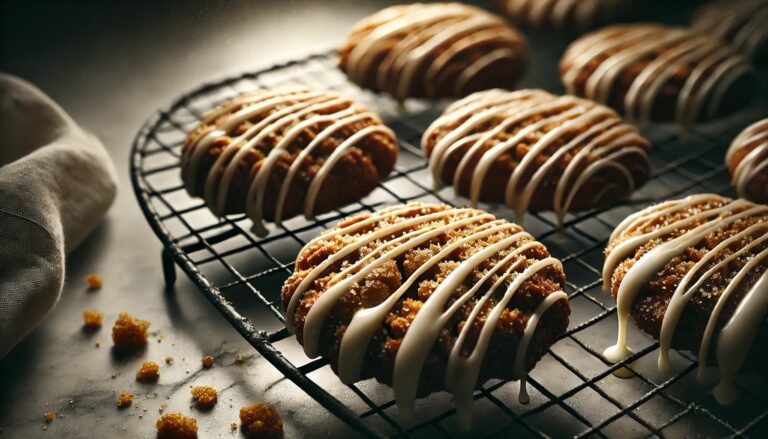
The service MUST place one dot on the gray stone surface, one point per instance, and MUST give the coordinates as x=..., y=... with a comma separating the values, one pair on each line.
x=110, y=65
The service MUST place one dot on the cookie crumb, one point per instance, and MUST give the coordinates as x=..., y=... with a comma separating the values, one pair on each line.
x=169, y=360
x=207, y=361
x=233, y=426
x=261, y=420
x=98, y=344
x=94, y=282
x=176, y=426
x=92, y=319
x=125, y=400
x=48, y=417
x=205, y=396
x=149, y=371
x=128, y=332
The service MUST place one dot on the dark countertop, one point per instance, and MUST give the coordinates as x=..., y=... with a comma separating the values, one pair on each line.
x=110, y=65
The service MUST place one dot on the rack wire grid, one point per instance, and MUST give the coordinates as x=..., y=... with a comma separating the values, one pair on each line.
x=573, y=390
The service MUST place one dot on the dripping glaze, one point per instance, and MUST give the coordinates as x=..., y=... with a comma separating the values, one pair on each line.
x=427, y=222
x=734, y=340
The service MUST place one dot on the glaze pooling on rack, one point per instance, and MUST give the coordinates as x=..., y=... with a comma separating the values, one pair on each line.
x=743, y=23
x=286, y=113
x=751, y=146
x=417, y=225
x=419, y=46
x=697, y=217
x=580, y=15
x=596, y=65
x=568, y=139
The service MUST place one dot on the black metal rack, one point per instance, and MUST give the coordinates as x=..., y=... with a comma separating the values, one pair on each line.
x=573, y=390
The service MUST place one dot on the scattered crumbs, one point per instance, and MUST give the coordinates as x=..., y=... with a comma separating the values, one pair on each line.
x=233, y=426
x=169, y=360
x=49, y=416
x=160, y=338
x=261, y=420
x=161, y=409
x=204, y=396
x=149, y=371
x=114, y=375
x=92, y=319
x=207, y=361
x=125, y=400
x=98, y=344
x=176, y=426
x=129, y=332
x=94, y=282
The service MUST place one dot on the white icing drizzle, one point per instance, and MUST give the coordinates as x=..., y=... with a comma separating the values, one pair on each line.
x=734, y=340
x=289, y=110
x=399, y=42
x=753, y=139
x=559, y=14
x=713, y=69
x=743, y=23
x=420, y=224
x=474, y=124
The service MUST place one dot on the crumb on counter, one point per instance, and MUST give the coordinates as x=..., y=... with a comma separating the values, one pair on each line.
x=207, y=361
x=94, y=282
x=205, y=396
x=98, y=344
x=233, y=426
x=176, y=426
x=261, y=420
x=49, y=416
x=92, y=319
x=149, y=371
x=169, y=360
x=125, y=400
x=129, y=332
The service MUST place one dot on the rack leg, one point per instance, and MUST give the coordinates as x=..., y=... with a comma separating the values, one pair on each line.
x=169, y=269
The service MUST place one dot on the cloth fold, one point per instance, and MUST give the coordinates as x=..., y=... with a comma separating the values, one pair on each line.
x=56, y=183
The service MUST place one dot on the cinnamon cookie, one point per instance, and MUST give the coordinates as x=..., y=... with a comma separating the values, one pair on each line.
x=433, y=50
x=427, y=297
x=570, y=15
x=743, y=23
x=279, y=152
x=694, y=274
x=536, y=151
x=747, y=161
x=657, y=72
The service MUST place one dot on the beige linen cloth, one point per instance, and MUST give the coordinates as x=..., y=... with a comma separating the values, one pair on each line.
x=56, y=184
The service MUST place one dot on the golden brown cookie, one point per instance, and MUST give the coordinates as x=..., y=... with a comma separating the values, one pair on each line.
x=747, y=161
x=276, y=153
x=536, y=151
x=694, y=274
x=433, y=50
x=426, y=297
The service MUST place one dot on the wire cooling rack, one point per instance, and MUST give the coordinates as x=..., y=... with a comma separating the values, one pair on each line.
x=573, y=391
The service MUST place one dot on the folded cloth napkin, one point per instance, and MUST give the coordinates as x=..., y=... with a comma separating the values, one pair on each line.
x=56, y=184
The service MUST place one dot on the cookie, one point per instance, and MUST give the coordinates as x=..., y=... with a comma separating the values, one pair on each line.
x=567, y=15
x=742, y=23
x=427, y=297
x=747, y=161
x=433, y=50
x=651, y=72
x=276, y=153
x=536, y=151
x=694, y=274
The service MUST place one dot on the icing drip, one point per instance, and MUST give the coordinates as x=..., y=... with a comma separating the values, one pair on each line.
x=587, y=138
x=744, y=23
x=290, y=111
x=418, y=224
x=750, y=244
x=754, y=141
x=559, y=14
x=663, y=52
x=402, y=43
